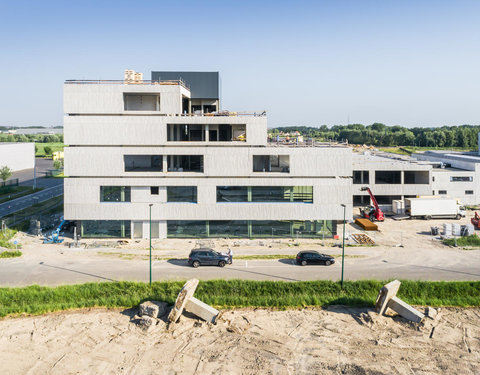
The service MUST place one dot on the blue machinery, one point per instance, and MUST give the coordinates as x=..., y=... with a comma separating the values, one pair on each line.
x=54, y=237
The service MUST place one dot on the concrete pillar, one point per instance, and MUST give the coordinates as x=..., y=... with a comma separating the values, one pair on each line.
x=165, y=163
x=207, y=136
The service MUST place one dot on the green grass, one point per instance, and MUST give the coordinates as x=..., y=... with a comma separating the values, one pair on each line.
x=408, y=150
x=10, y=254
x=15, y=192
x=5, y=237
x=468, y=241
x=233, y=294
x=56, y=146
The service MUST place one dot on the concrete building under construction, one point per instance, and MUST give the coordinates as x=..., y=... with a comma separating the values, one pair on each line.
x=165, y=148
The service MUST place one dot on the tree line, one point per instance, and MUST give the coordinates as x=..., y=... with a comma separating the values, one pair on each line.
x=379, y=134
x=41, y=138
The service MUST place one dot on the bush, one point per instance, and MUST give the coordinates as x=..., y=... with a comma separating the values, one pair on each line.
x=48, y=150
x=10, y=254
x=469, y=241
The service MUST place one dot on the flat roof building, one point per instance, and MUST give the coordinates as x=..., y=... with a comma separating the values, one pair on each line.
x=206, y=173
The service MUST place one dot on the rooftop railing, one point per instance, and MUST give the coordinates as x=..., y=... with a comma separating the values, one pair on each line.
x=179, y=82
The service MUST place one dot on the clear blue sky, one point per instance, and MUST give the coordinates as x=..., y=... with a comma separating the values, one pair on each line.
x=411, y=63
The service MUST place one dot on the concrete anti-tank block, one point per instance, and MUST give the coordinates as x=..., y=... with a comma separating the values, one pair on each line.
x=154, y=309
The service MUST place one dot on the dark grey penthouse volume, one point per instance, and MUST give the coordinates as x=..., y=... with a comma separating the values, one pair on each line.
x=203, y=85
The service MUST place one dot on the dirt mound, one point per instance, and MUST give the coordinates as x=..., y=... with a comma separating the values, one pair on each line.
x=337, y=340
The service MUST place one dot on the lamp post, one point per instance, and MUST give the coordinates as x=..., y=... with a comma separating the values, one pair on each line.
x=343, y=244
x=150, y=205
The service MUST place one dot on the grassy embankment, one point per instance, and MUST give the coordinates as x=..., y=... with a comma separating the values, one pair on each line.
x=55, y=146
x=467, y=241
x=408, y=150
x=8, y=193
x=233, y=294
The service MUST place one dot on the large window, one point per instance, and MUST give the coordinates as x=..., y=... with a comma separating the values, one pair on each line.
x=252, y=228
x=182, y=194
x=186, y=132
x=360, y=177
x=265, y=194
x=271, y=163
x=105, y=228
x=143, y=163
x=461, y=179
x=115, y=193
x=388, y=177
x=228, y=228
x=186, y=228
x=141, y=102
x=185, y=163
x=232, y=194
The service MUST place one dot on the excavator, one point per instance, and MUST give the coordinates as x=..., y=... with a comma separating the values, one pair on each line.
x=374, y=213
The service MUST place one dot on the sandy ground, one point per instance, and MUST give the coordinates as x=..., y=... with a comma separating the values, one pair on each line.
x=337, y=340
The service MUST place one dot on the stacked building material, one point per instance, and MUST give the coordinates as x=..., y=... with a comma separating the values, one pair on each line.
x=366, y=224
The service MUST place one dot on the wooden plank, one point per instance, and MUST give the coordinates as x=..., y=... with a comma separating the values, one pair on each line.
x=366, y=224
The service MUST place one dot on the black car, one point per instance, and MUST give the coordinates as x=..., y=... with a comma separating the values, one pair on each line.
x=314, y=257
x=207, y=257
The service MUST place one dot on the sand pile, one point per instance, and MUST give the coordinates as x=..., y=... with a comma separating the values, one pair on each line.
x=337, y=340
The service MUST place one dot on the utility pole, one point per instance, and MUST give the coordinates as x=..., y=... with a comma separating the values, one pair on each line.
x=343, y=245
x=151, y=204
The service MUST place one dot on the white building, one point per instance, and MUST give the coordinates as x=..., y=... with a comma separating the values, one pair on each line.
x=134, y=144
x=17, y=156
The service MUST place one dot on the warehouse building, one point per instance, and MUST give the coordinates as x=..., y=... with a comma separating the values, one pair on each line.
x=17, y=156
x=163, y=152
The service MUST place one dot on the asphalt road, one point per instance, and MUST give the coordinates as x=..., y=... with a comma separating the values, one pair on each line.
x=29, y=200
x=68, y=266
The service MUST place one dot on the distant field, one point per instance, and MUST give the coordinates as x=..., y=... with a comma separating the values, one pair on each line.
x=56, y=146
x=407, y=150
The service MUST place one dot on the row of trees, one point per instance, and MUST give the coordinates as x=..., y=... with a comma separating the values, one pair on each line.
x=382, y=135
x=42, y=138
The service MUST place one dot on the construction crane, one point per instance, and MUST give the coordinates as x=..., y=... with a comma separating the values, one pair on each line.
x=372, y=212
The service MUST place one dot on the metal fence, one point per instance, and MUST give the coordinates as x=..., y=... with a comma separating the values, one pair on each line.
x=12, y=182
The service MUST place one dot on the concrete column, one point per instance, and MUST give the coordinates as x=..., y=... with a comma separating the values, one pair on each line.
x=207, y=136
x=171, y=130
x=165, y=163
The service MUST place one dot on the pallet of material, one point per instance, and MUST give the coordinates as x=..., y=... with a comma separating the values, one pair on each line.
x=362, y=239
x=366, y=224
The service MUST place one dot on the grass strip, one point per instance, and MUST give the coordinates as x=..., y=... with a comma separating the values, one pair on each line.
x=233, y=294
x=10, y=254
x=468, y=241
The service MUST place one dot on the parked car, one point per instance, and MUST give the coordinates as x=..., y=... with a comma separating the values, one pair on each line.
x=314, y=257
x=207, y=257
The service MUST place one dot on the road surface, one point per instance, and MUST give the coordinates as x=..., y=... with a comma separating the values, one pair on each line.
x=68, y=266
x=29, y=200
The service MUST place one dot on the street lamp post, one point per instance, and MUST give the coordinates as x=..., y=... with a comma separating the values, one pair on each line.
x=343, y=244
x=151, y=204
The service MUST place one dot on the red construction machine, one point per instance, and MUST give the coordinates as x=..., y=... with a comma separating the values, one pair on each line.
x=374, y=213
x=476, y=221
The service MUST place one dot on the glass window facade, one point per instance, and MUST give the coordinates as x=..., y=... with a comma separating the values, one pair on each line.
x=186, y=228
x=115, y=194
x=265, y=194
x=105, y=228
x=143, y=163
x=185, y=163
x=182, y=194
x=251, y=228
x=232, y=194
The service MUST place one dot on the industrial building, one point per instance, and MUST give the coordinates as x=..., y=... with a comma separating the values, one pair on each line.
x=165, y=148
x=17, y=156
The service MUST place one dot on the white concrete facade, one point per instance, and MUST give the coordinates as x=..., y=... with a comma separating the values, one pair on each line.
x=17, y=156
x=104, y=137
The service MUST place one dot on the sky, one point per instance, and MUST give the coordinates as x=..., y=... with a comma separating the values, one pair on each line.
x=409, y=63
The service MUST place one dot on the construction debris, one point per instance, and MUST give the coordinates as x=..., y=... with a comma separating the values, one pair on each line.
x=186, y=300
x=387, y=298
x=366, y=224
x=154, y=309
x=431, y=312
x=362, y=239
